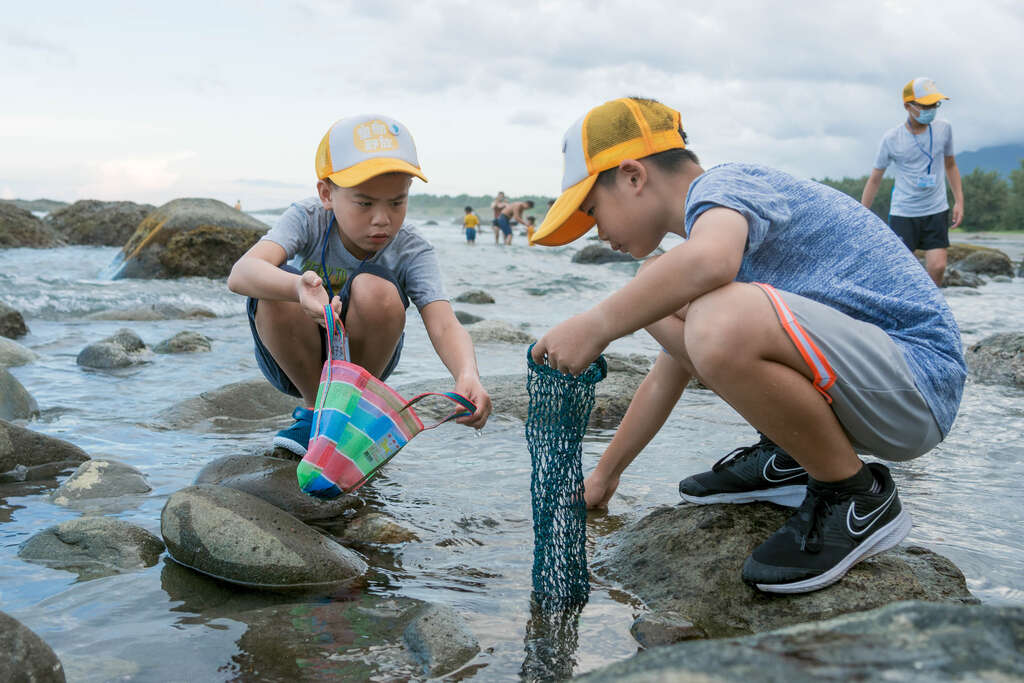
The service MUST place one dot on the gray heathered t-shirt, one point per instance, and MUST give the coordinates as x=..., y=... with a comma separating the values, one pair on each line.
x=909, y=153
x=301, y=229
x=814, y=241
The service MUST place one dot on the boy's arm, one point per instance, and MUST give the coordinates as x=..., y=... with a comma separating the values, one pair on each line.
x=709, y=259
x=455, y=349
x=257, y=275
x=867, y=198
x=953, y=173
x=647, y=412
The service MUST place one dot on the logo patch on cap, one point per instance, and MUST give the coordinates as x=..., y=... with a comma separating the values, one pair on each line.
x=374, y=136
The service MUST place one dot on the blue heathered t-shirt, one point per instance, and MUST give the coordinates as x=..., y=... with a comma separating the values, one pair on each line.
x=817, y=242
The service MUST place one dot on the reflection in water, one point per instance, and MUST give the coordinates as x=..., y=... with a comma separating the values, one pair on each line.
x=552, y=635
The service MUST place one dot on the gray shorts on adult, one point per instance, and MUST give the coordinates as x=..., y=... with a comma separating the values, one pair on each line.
x=863, y=374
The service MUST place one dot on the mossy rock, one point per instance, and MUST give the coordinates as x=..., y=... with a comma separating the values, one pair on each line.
x=19, y=228
x=93, y=222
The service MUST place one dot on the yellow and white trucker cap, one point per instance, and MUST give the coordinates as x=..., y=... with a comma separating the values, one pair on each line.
x=358, y=148
x=923, y=91
x=627, y=128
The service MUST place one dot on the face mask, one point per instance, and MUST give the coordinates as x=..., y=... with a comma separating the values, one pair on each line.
x=925, y=116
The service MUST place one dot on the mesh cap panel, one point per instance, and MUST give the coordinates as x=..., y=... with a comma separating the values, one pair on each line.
x=609, y=125
x=658, y=116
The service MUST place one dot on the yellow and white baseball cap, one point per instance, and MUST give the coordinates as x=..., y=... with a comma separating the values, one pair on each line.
x=627, y=128
x=358, y=148
x=923, y=91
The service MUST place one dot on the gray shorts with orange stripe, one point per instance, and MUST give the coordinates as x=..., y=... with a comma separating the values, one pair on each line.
x=863, y=375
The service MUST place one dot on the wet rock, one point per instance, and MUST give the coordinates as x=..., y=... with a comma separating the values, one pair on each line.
x=241, y=539
x=154, y=312
x=982, y=261
x=185, y=342
x=1020, y=269
x=376, y=527
x=467, y=318
x=598, y=253
x=15, y=401
x=93, y=547
x=475, y=296
x=1002, y=278
x=13, y=354
x=27, y=455
x=98, y=223
x=908, y=641
x=431, y=222
x=440, y=640
x=188, y=237
x=497, y=331
x=653, y=629
x=634, y=363
x=687, y=559
x=26, y=657
x=959, y=278
x=274, y=481
x=120, y=350
x=19, y=228
x=98, y=480
x=12, y=324
x=238, y=407
x=998, y=359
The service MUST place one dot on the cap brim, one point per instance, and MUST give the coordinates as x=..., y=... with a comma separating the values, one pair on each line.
x=564, y=221
x=371, y=168
x=931, y=98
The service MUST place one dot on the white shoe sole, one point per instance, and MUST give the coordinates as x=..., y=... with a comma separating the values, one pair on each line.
x=289, y=445
x=886, y=537
x=790, y=496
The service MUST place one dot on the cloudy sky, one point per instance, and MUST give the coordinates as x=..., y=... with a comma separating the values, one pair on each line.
x=152, y=101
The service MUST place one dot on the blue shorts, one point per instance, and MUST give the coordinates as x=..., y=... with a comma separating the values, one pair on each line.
x=504, y=225
x=269, y=367
x=470, y=234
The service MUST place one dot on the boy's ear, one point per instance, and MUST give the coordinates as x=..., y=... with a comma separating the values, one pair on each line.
x=634, y=173
x=323, y=191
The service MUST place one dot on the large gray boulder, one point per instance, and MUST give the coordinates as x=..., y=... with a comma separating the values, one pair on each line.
x=599, y=253
x=687, y=559
x=188, y=237
x=440, y=640
x=120, y=350
x=13, y=354
x=19, y=228
x=186, y=341
x=907, y=641
x=93, y=547
x=93, y=222
x=998, y=359
x=238, y=407
x=274, y=481
x=242, y=539
x=99, y=480
x=26, y=657
x=12, y=324
x=15, y=401
x=984, y=261
x=27, y=455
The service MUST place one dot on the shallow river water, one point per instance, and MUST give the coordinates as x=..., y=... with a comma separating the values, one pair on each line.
x=466, y=495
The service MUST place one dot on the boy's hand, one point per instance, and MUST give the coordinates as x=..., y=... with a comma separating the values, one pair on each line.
x=471, y=388
x=572, y=345
x=313, y=297
x=597, y=491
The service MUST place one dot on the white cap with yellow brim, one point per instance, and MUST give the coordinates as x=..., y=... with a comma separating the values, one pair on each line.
x=923, y=91
x=358, y=148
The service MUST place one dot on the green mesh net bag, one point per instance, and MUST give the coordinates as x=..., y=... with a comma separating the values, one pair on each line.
x=559, y=410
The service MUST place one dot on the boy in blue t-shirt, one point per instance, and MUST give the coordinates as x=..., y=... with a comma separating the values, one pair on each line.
x=348, y=248
x=794, y=303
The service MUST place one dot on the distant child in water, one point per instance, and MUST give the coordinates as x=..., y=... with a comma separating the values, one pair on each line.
x=350, y=249
x=470, y=222
x=794, y=303
x=531, y=225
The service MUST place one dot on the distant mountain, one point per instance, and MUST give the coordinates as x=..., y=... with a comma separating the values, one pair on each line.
x=36, y=204
x=1002, y=158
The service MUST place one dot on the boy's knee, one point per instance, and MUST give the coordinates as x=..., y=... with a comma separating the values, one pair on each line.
x=722, y=324
x=376, y=298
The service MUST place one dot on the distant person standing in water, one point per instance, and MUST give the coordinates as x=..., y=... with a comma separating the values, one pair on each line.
x=238, y=205
x=922, y=150
x=497, y=205
x=531, y=225
x=470, y=222
x=512, y=211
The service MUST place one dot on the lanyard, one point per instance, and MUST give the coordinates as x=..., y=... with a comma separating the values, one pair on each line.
x=920, y=147
x=323, y=261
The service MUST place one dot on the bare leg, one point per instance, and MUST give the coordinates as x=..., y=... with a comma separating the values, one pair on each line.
x=374, y=321
x=935, y=264
x=738, y=348
x=293, y=339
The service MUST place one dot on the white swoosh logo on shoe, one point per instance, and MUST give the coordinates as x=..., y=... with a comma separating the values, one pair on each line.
x=870, y=518
x=782, y=471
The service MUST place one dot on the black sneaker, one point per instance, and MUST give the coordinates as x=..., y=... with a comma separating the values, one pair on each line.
x=830, y=533
x=759, y=472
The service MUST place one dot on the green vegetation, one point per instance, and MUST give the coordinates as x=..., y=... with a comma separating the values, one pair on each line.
x=36, y=204
x=991, y=203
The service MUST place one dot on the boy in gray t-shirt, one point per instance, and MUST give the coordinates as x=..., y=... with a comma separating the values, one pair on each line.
x=348, y=248
x=921, y=153
x=791, y=301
